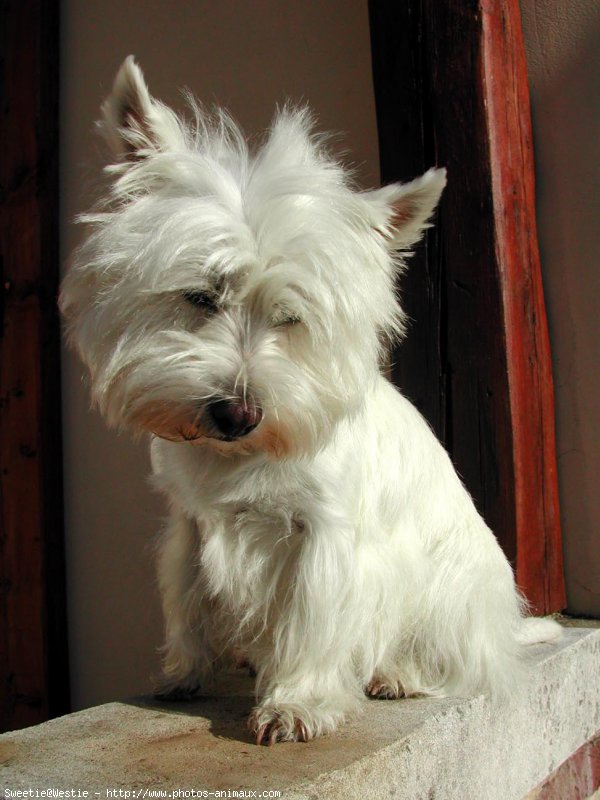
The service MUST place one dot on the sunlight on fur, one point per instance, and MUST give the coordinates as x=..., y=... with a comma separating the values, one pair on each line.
x=236, y=305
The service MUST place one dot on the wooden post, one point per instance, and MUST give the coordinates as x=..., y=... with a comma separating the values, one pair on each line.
x=451, y=90
x=33, y=637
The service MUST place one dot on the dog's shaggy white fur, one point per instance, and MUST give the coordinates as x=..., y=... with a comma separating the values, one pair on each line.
x=237, y=305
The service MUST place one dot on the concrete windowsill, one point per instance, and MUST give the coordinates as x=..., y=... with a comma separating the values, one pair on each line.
x=406, y=749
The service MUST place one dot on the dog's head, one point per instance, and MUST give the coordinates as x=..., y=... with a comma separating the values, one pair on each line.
x=232, y=298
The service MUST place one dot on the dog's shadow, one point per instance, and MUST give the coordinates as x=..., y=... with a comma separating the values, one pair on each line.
x=226, y=705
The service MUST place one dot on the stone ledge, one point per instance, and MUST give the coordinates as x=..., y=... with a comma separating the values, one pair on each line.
x=406, y=749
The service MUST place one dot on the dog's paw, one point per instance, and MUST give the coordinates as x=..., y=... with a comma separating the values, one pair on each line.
x=271, y=725
x=384, y=690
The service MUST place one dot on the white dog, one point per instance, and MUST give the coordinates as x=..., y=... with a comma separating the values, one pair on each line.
x=237, y=306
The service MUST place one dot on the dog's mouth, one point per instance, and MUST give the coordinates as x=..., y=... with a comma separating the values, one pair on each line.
x=268, y=438
x=222, y=420
x=222, y=438
x=180, y=436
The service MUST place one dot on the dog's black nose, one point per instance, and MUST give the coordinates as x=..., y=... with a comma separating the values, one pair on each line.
x=234, y=418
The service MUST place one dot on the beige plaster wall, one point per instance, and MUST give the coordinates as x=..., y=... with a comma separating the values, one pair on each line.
x=563, y=50
x=247, y=55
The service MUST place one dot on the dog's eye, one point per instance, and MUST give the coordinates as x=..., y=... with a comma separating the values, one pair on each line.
x=286, y=321
x=204, y=300
x=282, y=317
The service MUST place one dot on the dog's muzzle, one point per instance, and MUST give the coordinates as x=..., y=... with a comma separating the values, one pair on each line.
x=233, y=419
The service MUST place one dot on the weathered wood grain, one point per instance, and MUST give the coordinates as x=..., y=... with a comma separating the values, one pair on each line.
x=33, y=652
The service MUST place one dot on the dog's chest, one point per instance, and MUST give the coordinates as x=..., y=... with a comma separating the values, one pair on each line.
x=203, y=484
x=250, y=552
x=255, y=520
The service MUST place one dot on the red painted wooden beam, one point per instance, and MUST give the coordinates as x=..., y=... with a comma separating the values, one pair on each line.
x=531, y=396
x=451, y=89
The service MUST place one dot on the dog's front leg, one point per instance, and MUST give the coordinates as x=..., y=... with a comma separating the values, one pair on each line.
x=306, y=677
x=187, y=655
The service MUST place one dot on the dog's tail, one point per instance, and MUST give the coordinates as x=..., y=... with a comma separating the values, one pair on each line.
x=534, y=630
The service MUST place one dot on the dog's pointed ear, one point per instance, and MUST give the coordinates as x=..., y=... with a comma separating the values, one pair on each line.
x=135, y=124
x=401, y=211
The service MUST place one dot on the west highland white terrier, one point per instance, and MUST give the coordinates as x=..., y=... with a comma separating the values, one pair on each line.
x=237, y=306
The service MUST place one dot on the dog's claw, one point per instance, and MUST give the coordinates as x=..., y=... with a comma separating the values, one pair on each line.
x=261, y=732
x=382, y=691
x=300, y=732
x=273, y=731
